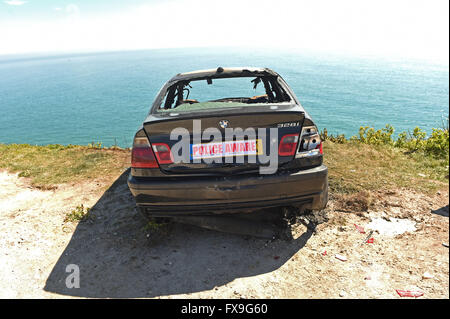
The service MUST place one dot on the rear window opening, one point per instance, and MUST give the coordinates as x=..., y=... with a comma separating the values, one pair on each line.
x=214, y=93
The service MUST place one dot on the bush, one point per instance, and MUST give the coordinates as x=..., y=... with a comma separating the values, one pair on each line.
x=437, y=144
x=368, y=135
x=340, y=139
x=80, y=213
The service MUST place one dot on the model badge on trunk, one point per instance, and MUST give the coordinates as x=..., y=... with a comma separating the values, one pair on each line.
x=224, y=123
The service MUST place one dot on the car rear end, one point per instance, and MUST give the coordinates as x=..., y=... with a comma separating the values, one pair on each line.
x=224, y=174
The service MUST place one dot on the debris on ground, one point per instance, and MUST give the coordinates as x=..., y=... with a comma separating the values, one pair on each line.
x=360, y=229
x=340, y=257
x=370, y=240
x=366, y=240
x=409, y=293
x=427, y=275
x=393, y=227
x=445, y=244
x=324, y=253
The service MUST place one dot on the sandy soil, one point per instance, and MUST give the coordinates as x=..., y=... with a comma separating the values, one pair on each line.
x=119, y=256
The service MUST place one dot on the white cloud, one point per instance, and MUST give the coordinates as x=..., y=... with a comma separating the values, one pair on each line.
x=401, y=28
x=15, y=2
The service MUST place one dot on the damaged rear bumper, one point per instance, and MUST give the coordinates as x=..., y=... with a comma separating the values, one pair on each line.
x=184, y=196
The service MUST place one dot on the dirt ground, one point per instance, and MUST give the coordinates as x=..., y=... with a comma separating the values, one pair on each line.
x=119, y=256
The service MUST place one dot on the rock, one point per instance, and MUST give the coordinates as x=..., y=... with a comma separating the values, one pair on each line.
x=342, y=293
x=340, y=257
x=445, y=244
x=421, y=175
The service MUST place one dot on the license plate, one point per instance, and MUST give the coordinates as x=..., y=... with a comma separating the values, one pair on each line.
x=224, y=149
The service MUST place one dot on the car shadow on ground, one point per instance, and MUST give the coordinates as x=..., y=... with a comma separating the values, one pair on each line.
x=443, y=211
x=119, y=257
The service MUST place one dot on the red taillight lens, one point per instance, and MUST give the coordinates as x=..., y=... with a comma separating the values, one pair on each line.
x=288, y=145
x=163, y=153
x=142, y=155
x=320, y=148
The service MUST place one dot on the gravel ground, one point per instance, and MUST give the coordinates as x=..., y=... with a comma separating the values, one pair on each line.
x=119, y=256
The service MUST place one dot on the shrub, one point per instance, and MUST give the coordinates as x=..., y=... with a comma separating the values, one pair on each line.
x=80, y=213
x=437, y=144
x=368, y=135
x=340, y=139
x=95, y=145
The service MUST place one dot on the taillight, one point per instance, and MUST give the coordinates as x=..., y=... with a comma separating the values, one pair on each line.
x=288, y=145
x=163, y=153
x=310, y=143
x=142, y=155
x=320, y=147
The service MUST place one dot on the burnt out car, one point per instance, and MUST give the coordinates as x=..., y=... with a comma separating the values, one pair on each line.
x=227, y=140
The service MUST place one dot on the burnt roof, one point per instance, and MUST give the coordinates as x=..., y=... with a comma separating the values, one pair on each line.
x=223, y=73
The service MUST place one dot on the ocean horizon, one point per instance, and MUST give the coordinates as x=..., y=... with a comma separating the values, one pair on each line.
x=104, y=97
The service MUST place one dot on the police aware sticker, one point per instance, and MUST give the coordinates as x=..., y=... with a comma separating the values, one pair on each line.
x=222, y=149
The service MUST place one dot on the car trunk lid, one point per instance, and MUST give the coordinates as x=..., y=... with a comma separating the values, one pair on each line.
x=213, y=154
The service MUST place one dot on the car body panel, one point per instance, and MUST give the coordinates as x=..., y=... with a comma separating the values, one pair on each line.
x=218, y=195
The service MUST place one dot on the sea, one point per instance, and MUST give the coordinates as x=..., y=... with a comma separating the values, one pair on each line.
x=104, y=97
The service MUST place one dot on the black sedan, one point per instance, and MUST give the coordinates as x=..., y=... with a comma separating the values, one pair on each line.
x=227, y=140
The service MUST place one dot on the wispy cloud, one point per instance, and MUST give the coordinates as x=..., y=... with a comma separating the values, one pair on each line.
x=15, y=2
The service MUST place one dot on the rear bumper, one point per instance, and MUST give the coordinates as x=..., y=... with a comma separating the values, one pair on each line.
x=183, y=196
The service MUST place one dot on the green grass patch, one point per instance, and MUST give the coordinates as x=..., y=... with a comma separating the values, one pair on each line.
x=375, y=160
x=355, y=167
x=51, y=165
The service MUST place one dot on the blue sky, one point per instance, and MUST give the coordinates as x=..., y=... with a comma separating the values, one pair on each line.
x=398, y=28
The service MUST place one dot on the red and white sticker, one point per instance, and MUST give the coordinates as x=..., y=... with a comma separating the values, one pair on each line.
x=223, y=149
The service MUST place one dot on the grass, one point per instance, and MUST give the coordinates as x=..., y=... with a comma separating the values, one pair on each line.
x=50, y=165
x=353, y=167
x=356, y=167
